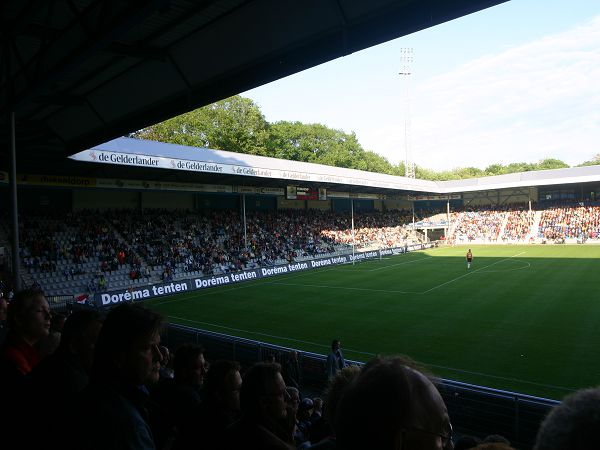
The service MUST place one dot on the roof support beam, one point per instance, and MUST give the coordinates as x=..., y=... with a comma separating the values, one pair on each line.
x=133, y=13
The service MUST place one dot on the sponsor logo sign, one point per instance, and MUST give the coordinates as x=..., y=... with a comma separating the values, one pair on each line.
x=141, y=293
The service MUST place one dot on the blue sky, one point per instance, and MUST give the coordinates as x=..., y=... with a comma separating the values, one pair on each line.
x=516, y=82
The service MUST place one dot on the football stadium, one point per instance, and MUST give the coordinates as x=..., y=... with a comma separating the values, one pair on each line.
x=150, y=285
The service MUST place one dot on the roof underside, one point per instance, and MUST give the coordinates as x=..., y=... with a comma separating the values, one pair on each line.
x=81, y=72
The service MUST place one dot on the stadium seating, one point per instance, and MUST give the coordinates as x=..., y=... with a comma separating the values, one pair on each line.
x=87, y=251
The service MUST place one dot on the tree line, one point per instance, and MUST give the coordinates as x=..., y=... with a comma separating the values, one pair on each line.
x=236, y=124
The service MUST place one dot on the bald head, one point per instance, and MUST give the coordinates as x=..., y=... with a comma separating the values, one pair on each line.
x=573, y=424
x=389, y=405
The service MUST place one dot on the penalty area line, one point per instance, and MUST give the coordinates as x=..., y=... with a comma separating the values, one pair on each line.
x=498, y=377
x=470, y=273
x=324, y=286
x=401, y=264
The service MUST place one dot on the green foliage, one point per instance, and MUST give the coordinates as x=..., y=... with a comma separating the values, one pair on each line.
x=495, y=169
x=551, y=163
x=311, y=143
x=235, y=124
x=491, y=170
x=593, y=162
x=319, y=144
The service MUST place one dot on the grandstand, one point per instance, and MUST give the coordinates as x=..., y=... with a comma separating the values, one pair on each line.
x=127, y=218
x=147, y=240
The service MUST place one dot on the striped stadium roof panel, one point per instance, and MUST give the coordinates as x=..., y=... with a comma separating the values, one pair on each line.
x=257, y=169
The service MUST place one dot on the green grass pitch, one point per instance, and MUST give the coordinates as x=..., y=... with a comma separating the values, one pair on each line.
x=523, y=318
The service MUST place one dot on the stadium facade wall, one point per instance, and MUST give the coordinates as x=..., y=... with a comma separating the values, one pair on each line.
x=344, y=205
x=504, y=197
x=167, y=200
x=51, y=200
x=394, y=204
x=322, y=205
x=284, y=203
x=260, y=203
x=104, y=199
x=217, y=201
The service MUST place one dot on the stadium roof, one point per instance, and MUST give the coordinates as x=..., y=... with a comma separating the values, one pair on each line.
x=81, y=72
x=238, y=169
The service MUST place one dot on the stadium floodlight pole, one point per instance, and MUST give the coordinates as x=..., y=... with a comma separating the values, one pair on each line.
x=352, y=221
x=407, y=60
x=447, y=229
x=245, y=229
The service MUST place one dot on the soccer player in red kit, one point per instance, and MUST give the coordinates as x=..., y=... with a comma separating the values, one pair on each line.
x=469, y=259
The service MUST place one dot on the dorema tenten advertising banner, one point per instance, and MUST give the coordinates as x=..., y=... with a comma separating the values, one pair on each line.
x=140, y=293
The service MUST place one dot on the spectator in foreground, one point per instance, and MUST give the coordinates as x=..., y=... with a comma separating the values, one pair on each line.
x=264, y=412
x=3, y=324
x=67, y=370
x=111, y=412
x=220, y=408
x=322, y=431
x=573, y=424
x=392, y=405
x=317, y=409
x=495, y=438
x=493, y=446
x=466, y=442
x=28, y=321
x=48, y=345
x=56, y=381
x=292, y=399
x=303, y=426
x=175, y=400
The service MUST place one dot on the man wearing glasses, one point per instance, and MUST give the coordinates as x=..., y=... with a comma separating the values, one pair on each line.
x=392, y=405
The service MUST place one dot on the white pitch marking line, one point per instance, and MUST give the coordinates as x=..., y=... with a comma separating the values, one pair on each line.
x=343, y=287
x=348, y=350
x=564, y=388
x=470, y=273
x=265, y=334
x=401, y=264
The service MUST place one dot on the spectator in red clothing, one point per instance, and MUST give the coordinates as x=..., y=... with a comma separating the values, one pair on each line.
x=28, y=321
x=121, y=258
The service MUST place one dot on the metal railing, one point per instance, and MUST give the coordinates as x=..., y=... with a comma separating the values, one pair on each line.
x=475, y=410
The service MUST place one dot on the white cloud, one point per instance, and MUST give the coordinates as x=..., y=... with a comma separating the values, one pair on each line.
x=531, y=102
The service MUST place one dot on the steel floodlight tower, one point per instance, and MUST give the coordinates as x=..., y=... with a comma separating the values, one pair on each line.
x=406, y=60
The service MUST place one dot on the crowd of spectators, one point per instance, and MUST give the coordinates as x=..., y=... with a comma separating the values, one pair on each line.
x=73, y=237
x=557, y=223
x=160, y=245
x=482, y=225
x=114, y=384
x=570, y=222
x=518, y=225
